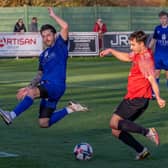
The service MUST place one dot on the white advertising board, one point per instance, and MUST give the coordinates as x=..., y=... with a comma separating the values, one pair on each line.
x=20, y=44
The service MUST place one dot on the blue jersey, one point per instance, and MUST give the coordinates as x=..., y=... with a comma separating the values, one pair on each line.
x=161, y=37
x=53, y=62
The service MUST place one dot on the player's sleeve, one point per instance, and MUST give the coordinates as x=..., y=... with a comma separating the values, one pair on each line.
x=146, y=65
x=60, y=39
x=155, y=35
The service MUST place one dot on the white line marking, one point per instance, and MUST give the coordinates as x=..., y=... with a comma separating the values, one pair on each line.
x=4, y=154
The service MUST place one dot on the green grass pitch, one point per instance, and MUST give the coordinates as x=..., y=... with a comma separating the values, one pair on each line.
x=98, y=83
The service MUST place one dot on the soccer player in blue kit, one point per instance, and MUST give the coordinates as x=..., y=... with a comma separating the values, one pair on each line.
x=50, y=81
x=160, y=38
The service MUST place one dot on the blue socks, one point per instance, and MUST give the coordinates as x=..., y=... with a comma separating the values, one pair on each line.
x=23, y=105
x=58, y=115
x=28, y=101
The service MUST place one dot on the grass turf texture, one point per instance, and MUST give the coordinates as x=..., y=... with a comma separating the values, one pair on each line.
x=98, y=83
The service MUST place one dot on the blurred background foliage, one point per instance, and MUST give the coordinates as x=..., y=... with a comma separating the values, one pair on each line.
x=74, y=3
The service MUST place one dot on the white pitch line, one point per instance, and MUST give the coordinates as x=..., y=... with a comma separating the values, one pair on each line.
x=5, y=154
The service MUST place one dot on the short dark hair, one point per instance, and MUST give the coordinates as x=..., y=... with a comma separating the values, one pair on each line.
x=140, y=36
x=48, y=27
x=162, y=13
x=34, y=18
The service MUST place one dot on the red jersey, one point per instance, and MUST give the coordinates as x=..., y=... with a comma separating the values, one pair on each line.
x=138, y=83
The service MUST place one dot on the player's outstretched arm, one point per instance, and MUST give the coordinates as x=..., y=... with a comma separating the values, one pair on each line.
x=119, y=55
x=61, y=23
x=161, y=102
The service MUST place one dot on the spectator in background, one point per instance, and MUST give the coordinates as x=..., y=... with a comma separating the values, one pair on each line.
x=101, y=28
x=33, y=27
x=19, y=26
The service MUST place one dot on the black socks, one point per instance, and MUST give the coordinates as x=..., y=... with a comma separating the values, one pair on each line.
x=129, y=126
x=131, y=141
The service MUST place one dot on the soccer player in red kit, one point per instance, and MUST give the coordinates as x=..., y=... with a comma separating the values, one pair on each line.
x=141, y=81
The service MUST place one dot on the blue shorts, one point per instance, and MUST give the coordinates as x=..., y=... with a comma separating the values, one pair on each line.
x=161, y=62
x=50, y=94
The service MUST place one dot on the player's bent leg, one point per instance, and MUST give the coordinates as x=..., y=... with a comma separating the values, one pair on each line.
x=28, y=100
x=114, y=121
x=45, y=112
x=44, y=122
x=127, y=110
x=119, y=123
x=129, y=126
x=128, y=139
x=60, y=114
x=8, y=117
x=57, y=116
x=115, y=133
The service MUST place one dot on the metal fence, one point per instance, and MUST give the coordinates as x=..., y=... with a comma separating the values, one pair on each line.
x=82, y=19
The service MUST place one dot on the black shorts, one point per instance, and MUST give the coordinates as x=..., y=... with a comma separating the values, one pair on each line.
x=45, y=111
x=131, y=109
x=43, y=91
x=50, y=94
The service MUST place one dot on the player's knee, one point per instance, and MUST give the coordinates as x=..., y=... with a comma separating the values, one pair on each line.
x=113, y=123
x=115, y=133
x=43, y=123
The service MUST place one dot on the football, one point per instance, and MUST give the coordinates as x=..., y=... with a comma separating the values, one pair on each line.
x=83, y=151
